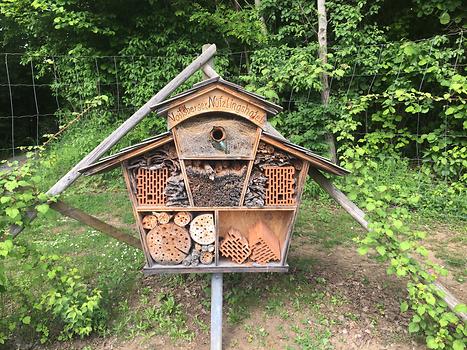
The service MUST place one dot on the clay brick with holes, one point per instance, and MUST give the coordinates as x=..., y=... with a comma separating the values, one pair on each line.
x=150, y=186
x=265, y=246
x=281, y=185
x=235, y=246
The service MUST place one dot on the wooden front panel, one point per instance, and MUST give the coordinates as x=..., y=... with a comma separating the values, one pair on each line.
x=196, y=138
x=216, y=100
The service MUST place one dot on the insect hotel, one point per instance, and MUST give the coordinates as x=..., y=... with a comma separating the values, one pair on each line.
x=219, y=191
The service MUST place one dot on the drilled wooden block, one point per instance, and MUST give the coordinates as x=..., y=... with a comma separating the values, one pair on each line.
x=235, y=246
x=202, y=229
x=182, y=218
x=150, y=185
x=168, y=244
x=281, y=185
x=265, y=246
x=149, y=222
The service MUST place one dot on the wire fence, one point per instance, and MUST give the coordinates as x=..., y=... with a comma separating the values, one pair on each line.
x=23, y=124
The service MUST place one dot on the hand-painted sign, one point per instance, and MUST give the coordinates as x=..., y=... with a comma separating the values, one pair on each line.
x=216, y=101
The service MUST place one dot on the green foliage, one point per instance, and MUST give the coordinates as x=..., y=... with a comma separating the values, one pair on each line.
x=68, y=301
x=20, y=192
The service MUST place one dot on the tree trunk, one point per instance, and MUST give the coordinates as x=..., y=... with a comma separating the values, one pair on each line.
x=322, y=52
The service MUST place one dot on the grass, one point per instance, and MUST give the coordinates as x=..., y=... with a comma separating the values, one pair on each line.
x=299, y=310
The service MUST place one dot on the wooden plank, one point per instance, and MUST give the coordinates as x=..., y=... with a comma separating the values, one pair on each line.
x=216, y=99
x=128, y=125
x=95, y=223
x=187, y=183
x=300, y=186
x=143, y=208
x=216, y=246
x=359, y=216
x=247, y=181
x=223, y=267
x=137, y=215
x=115, y=162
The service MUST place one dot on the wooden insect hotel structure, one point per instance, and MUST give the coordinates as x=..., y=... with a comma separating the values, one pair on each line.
x=220, y=190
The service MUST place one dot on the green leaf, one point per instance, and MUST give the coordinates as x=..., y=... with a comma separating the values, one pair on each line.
x=4, y=200
x=26, y=320
x=431, y=342
x=430, y=299
x=458, y=345
x=421, y=309
x=444, y=18
x=461, y=308
x=404, y=306
x=414, y=327
x=42, y=208
x=381, y=250
x=398, y=224
x=405, y=245
x=12, y=212
x=370, y=206
x=362, y=250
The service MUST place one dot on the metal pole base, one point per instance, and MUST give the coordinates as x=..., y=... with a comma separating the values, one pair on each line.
x=216, y=311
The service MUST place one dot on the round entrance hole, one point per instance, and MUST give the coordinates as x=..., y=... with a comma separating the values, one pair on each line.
x=218, y=133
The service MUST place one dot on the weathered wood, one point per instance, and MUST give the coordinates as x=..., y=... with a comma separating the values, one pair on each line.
x=225, y=266
x=195, y=140
x=163, y=217
x=208, y=68
x=95, y=223
x=128, y=125
x=339, y=197
x=300, y=187
x=149, y=222
x=265, y=245
x=324, y=77
x=359, y=216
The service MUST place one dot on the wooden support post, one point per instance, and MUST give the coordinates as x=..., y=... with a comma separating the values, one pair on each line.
x=94, y=222
x=359, y=216
x=208, y=68
x=123, y=129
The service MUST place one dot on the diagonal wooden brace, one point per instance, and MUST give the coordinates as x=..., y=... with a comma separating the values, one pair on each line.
x=359, y=216
x=123, y=129
x=95, y=223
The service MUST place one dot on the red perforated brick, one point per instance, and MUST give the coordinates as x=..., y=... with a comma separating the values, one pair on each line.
x=235, y=246
x=265, y=246
x=281, y=185
x=150, y=186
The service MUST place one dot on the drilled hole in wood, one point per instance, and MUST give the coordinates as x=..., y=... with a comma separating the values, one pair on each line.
x=218, y=133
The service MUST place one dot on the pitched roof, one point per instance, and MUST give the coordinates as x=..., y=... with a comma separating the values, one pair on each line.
x=114, y=160
x=270, y=107
x=316, y=160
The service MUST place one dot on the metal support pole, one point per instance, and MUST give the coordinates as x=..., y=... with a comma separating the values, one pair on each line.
x=216, y=311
